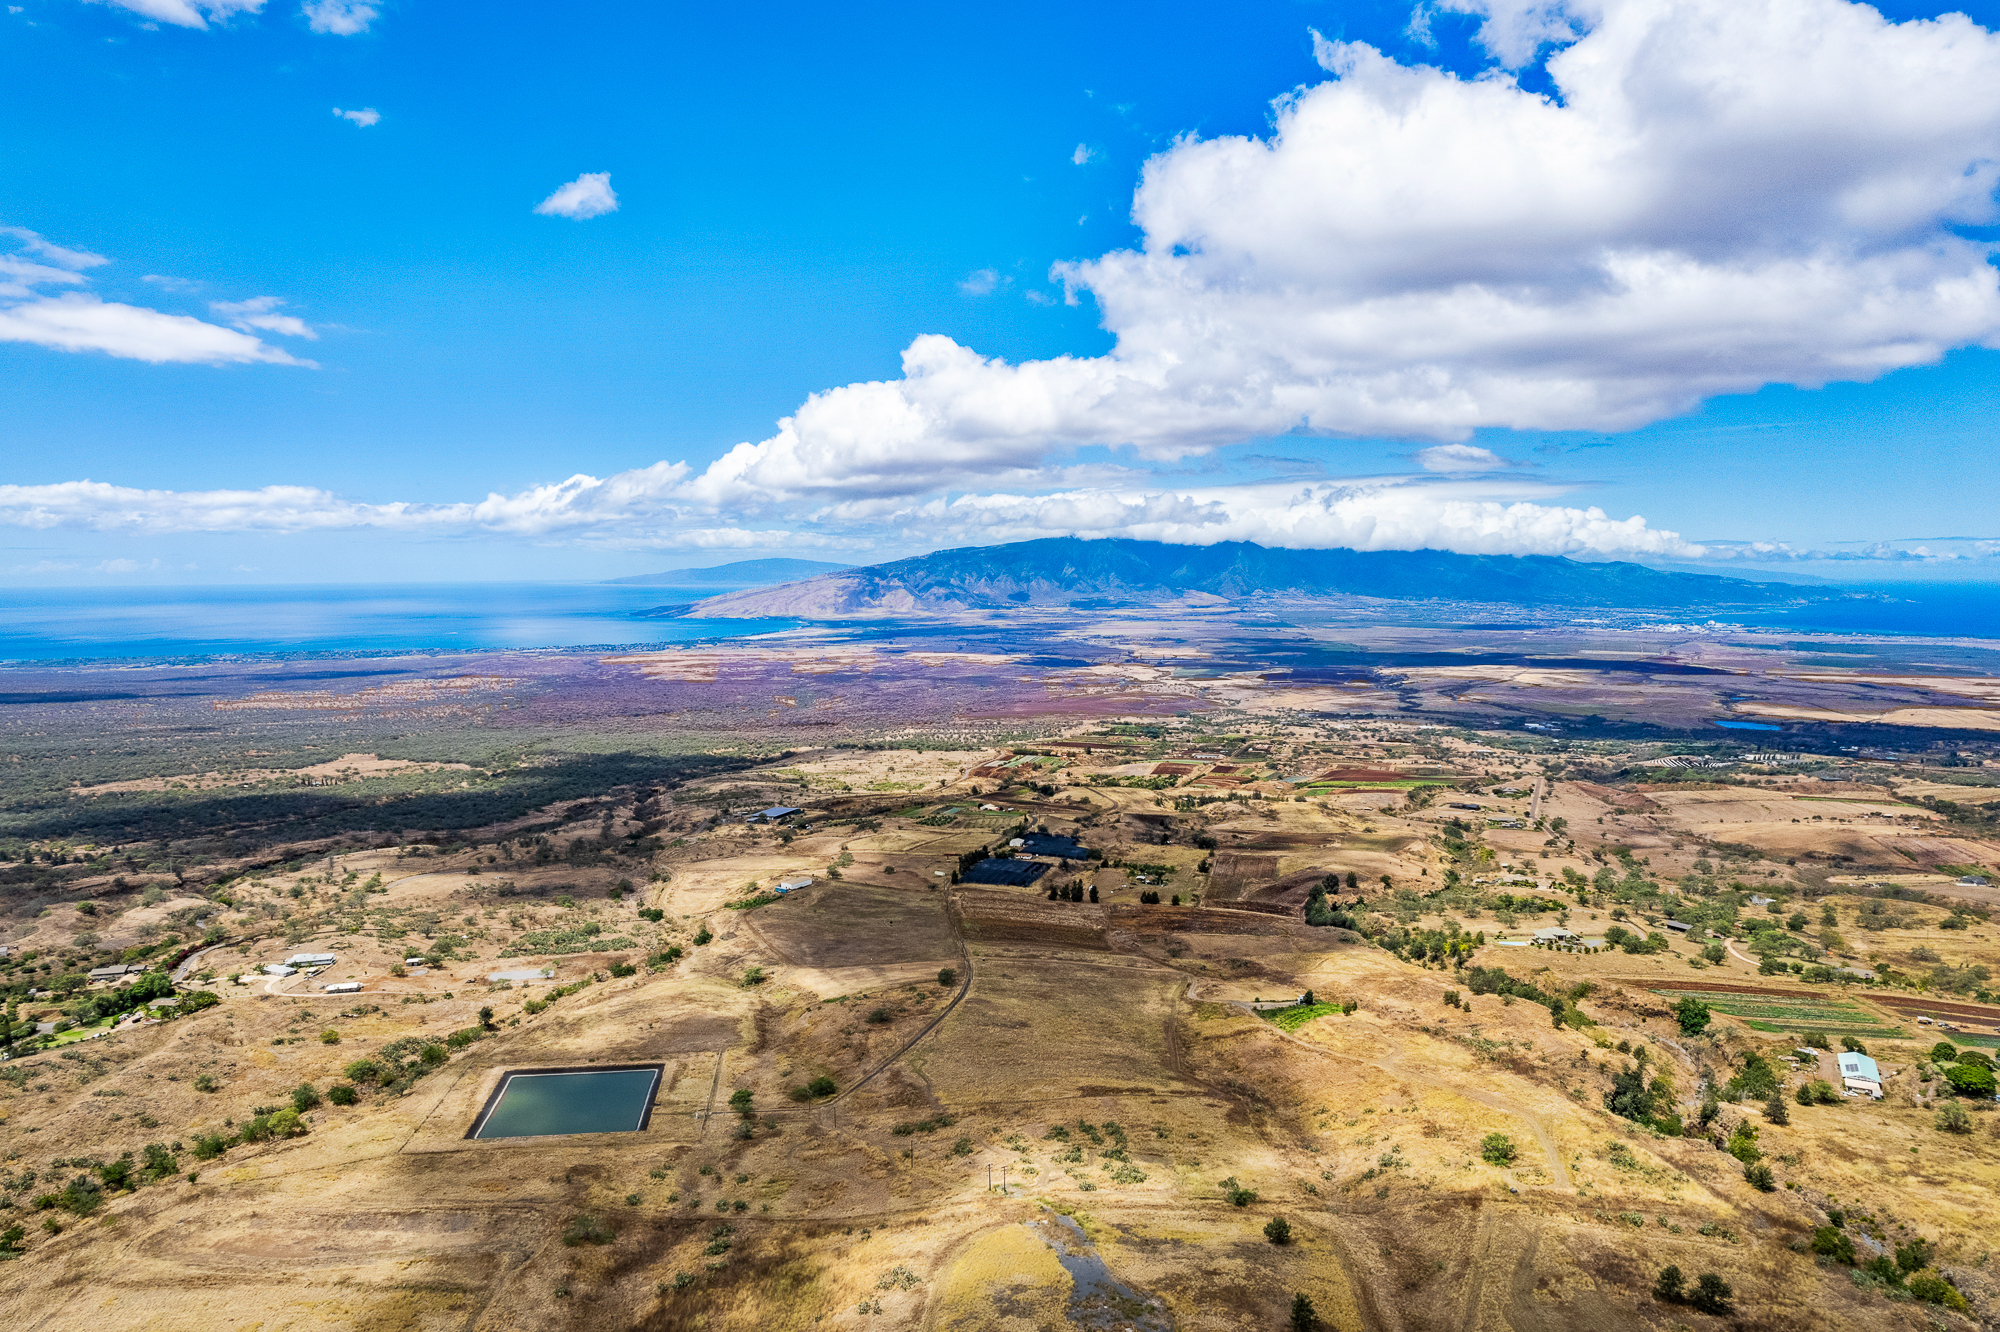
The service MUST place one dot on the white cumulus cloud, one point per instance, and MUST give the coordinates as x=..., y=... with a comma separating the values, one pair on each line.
x=1082, y=155
x=340, y=18
x=76, y=320
x=365, y=117
x=187, y=13
x=589, y=195
x=1723, y=196
x=654, y=507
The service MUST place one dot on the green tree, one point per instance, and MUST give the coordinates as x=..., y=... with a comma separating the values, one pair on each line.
x=1278, y=1230
x=1759, y=1177
x=1630, y=1097
x=1304, y=1318
x=1712, y=1295
x=1498, y=1149
x=1970, y=1080
x=1774, y=1110
x=1669, y=1288
x=305, y=1097
x=1693, y=1016
x=948, y=977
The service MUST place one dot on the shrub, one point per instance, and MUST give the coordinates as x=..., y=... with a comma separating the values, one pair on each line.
x=1817, y=1092
x=1775, y=1112
x=753, y=976
x=341, y=1094
x=1712, y=1295
x=159, y=1162
x=1928, y=1286
x=305, y=1097
x=206, y=1083
x=363, y=1071
x=1759, y=1177
x=1693, y=1016
x=879, y=1016
x=586, y=1230
x=702, y=936
x=654, y=914
x=1278, y=1230
x=948, y=977
x=963, y=1147
x=821, y=1086
x=623, y=969
x=1238, y=1195
x=1304, y=1317
x=208, y=1146
x=1951, y=1118
x=1832, y=1242
x=1818, y=1040
x=1669, y=1288
x=1944, y=1052
x=433, y=1054
x=1498, y=1149
x=329, y=1037
x=1970, y=1079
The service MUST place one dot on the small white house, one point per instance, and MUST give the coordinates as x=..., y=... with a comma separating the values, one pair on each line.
x=1859, y=1073
x=310, y=960
x=280, y=970
x=344, y=987
x=793, y=885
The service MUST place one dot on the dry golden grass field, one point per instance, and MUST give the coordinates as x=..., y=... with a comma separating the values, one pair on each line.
x=896, y=1100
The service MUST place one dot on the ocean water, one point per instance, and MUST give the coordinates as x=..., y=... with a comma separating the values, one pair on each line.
x=1944, y=610
x=44, y=624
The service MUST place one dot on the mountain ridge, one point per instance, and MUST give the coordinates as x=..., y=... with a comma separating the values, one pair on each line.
x=1089, y=574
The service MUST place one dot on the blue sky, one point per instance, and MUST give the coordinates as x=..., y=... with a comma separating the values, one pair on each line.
x=1469, y=326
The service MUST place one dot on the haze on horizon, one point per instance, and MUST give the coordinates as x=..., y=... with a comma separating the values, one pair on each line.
x=384, y=290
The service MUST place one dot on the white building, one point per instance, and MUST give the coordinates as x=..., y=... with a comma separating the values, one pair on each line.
x=1858, y=1073
x=310, y=960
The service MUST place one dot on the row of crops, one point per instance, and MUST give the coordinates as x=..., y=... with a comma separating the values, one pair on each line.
x=1785, y=1013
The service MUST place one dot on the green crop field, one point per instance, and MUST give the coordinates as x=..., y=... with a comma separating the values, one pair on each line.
x=1783, y=1013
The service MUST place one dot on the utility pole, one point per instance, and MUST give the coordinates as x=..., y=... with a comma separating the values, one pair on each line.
x=989, y=1179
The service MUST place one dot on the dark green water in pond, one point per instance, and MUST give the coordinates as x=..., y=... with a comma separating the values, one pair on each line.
x=536, y=1104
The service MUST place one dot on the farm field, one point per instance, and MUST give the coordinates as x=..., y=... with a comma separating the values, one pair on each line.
x=1786, y=1013
x=844, y=1068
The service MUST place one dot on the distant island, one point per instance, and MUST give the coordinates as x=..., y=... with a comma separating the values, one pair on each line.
x=743, y=573
x=1090, y=574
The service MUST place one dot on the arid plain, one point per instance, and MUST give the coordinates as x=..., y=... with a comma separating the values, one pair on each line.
x=921, y=1092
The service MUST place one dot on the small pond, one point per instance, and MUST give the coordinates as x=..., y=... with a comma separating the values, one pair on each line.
x=533, y=1103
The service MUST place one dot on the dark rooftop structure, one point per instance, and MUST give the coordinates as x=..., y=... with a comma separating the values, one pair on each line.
x=1013, y=873
x=1046, y=844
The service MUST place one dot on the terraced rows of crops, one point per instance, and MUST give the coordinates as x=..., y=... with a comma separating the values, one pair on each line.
x=1775, y=1014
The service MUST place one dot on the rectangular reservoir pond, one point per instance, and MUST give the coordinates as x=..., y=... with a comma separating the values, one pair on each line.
x=538, y=1102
